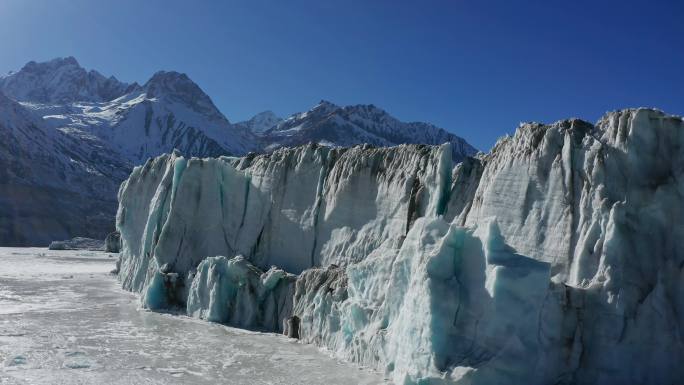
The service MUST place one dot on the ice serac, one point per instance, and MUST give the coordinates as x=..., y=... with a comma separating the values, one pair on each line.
x=236, y=292
x=554, y=259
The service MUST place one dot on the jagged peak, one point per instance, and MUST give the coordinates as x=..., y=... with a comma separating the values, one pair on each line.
x=68, y=61
x=165, y=76
x=172, y=82
x=60, y=80
x=266, y=117
x=325, y=105
x=178, y=87
x=267, y=113
x=261, y=122
x=367, y=108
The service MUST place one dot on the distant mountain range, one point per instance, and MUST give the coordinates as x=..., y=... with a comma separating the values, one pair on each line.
x=69, y=137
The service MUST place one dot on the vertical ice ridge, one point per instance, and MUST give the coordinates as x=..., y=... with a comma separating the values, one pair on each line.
x=246, y=199
x=444, y=177
x=327, y=161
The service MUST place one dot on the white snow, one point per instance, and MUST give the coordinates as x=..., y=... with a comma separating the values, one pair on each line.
x=262, y=122
x=63, y=320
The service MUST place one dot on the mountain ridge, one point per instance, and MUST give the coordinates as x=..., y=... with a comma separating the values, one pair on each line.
x=95, y=129
x=362, y=123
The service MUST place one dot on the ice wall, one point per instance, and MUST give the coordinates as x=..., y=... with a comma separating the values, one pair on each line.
x=447, y=298
x=553, y=259
x=295, y=209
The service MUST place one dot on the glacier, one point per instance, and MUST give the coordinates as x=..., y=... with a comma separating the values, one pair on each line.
x=553, y=259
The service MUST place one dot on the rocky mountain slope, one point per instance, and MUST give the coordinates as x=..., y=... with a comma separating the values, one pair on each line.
x=97, y=129
x=554, y=259
x=53, y=185
x=331, y=125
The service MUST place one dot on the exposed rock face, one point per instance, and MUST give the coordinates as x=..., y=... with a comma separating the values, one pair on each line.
x=113, y=242
x=51, y=188
x=553, y=259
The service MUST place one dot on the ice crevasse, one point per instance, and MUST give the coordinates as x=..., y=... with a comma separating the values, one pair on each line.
x=554, y=259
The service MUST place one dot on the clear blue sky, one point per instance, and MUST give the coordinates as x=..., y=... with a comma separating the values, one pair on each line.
x=475, y=67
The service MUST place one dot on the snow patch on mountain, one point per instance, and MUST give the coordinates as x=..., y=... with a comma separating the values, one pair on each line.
x=261, y=122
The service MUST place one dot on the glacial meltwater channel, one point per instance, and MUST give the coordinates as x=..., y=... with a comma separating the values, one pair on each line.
x=65, y=320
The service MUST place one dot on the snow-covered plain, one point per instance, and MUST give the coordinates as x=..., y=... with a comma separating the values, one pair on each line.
x=65, y=320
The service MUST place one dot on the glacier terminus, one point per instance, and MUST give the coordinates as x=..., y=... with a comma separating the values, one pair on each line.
x=553, y=259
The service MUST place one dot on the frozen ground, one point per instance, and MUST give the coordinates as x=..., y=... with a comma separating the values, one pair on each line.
x=64, y=320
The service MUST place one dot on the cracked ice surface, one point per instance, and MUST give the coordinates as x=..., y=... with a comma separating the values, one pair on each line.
x=64, y=320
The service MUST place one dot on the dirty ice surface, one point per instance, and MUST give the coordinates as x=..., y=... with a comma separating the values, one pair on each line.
x=64, y=320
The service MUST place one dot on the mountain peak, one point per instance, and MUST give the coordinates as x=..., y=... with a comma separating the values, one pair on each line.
x=178, y=87
x=171, y=82
x=60, y=80
x=262, y=122
x=325, y=105
x=70, y=60
x=332, y=125
x=168, y=76
x=65, y=61
x=53, y=64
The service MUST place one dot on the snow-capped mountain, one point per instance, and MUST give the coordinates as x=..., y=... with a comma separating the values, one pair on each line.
x=106, y=127
x=70, y=136
x=261, y=122
x=60, y=81
x=332, y=125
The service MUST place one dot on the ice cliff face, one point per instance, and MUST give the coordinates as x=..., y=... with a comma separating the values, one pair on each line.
x=552, y=260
